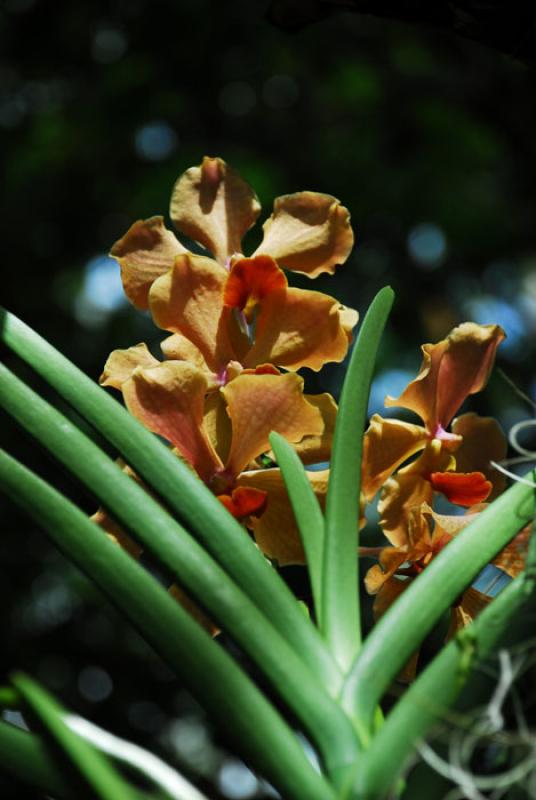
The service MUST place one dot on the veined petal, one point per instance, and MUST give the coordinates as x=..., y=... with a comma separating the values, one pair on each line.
x=214, y=206
x=387, y=444
x=313, y=449
x=250, y=281
x=472, y=603
x=483, y=441
x=308, y=232
x=260, y=404
x=451, y=370
x=146, y=251
x=391, y=558
x=299, y=328
x=512, y=559
x=276, y=531
x=218, y=425
x=169, y=400
x=461, y=488
x=188, y=300
x=121, y=364
x=400, y=494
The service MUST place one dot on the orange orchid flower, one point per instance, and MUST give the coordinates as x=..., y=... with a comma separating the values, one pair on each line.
x=221, y=435
x=426, y=534
x=454, y=463
x=230, y=312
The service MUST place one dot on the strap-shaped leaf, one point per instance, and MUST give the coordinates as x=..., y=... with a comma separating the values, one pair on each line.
x=340, y=617
x=429, y=698
x=404, y=626
x=234, y=702
x=307, y=512
x=175, y=549
x=26, y=757
x=95, y=770
x=218, y=532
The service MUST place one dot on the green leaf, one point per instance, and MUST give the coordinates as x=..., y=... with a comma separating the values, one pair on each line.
x=230, y=697
x=340, y=617
x=307, y=512
x=27, y=758
x=94, y=768
x=174, y=548
x=409, y=620
x=180, y=489
x=429, y=698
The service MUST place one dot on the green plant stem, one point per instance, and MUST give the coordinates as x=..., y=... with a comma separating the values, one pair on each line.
x=233, y=701
x=96, y=772
x=403, y=627
x=340, y=618
x=181, y=490
x=430, y=697
x=327, y=725
x=27, y=758
x=307, y=511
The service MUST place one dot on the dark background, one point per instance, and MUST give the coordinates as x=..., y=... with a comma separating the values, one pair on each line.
x=427, y=138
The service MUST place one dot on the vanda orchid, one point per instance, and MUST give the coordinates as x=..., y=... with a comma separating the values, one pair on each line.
x=221, y=498
x=235, y=323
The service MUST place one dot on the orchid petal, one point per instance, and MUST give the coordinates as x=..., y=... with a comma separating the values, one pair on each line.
x=276, y=531
x=451, y=370
x=169, y=400
x=250, y=281
x=308, y=232
x=400, y=494
x=244, y=502
x=483, y=442
x=299, y=328
x=260, y=404
x=188, y=300
x=512, y=559
x=217, y=424
x=314, y=449
x=121, y=364
x=461, y=488
x=146, y=251
x=214, y=206
x=387, y=444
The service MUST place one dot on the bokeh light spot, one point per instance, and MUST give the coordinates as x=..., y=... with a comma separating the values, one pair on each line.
x=94, y=684
x=236, y=781
x=487, y=310
x=108, y=45
x=101, y=293
x=427, y=245
x=392, y=382
x=155, y=141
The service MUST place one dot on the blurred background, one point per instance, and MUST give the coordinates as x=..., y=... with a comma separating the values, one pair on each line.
x=428, y=140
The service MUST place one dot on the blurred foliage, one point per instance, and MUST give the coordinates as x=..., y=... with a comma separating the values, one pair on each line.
x=427, y=139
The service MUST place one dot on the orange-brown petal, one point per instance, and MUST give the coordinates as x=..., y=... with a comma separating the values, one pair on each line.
x=512, y=559
x=451, y=370
x=115, y=532
x=189, y=300
x=400, y=494
x=213, y=205
x=217, y=424
x=462, y=488
x=146, y=251
x=471, y=604
x=299, y=328
x=244, y=502
x=313, y=449
x=483, y=441
x=121, y=364
x=276, y=532
x=308, y=232
x=387, y=444
x=259, y=404
x=169, y=400
x=250, y=281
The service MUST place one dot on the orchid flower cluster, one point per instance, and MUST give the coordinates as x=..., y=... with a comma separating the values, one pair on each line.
x=238, y=334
